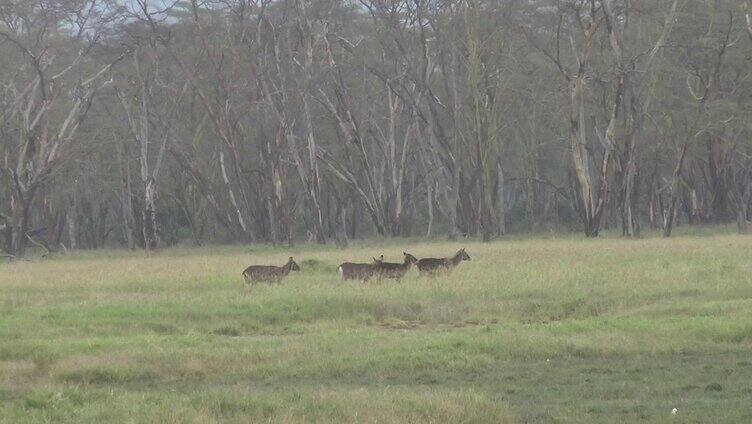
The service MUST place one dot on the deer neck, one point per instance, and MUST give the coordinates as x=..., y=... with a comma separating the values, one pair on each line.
x=456, y=259
x=407, y=264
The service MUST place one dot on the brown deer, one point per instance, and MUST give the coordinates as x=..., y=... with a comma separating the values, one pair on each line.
x=356, y=271
x=395, y=270
x=270, y=273
x=432, y=265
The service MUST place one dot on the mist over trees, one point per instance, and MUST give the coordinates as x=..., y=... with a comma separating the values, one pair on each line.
x=151, y=123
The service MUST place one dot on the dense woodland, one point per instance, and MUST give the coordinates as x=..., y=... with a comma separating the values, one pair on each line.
x=146, y=123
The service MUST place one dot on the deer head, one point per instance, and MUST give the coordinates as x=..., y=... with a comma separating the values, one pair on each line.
x=410, y=259
x=292, y=265
x=463, y=255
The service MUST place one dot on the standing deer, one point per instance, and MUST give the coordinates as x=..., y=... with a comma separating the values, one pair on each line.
x=270, y=273
x=432, y=265
x=356, y=271
x=395, y=270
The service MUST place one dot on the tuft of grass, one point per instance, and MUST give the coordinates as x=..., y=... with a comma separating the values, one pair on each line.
x=538, y=330
x=227, y=331
x=315, y=265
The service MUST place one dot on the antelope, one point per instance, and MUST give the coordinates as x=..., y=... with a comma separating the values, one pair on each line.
x=355, y=271
x=270, y=273
x=432, y=265
x=395, y=270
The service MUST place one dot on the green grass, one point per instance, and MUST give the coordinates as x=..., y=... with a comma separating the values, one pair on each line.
x=545, y=330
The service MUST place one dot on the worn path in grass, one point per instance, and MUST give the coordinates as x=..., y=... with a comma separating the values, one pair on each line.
x=560, y=330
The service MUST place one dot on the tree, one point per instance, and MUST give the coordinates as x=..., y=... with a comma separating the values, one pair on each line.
x=51, y=96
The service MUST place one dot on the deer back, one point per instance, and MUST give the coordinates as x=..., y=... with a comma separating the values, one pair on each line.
x=355, y=271
x=385, y=270
x=395, y=270
x=432, y=264
x=256, y=273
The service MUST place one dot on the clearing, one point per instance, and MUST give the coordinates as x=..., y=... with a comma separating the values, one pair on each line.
x=547, y=330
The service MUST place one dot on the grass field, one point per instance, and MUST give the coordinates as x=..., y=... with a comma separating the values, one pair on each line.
x=556, y=330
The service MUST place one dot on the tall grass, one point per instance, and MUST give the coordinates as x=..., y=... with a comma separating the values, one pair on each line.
x=543, y=330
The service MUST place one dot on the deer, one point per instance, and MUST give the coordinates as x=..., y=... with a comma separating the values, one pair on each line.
x=395, y=270
x=357, y=271
x=269, y=273
x=432, y=265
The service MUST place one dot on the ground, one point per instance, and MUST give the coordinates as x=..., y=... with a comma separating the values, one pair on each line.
x=539, y=330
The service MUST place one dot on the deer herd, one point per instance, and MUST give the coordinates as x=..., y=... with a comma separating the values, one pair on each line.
x=361, y=271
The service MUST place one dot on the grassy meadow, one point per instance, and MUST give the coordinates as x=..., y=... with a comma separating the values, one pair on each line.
x=541, y=330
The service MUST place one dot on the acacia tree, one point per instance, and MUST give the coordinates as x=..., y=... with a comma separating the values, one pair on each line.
x=632, y=66
x=308, y=171
x=266, y=120
x=51, y=95
x=579, y=19
x=142, y=118
x=704, y=88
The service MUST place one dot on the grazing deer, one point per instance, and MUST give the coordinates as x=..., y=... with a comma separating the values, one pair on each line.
x=355, y=271
x=395, y=270
x=433, y=265
x=273, y=274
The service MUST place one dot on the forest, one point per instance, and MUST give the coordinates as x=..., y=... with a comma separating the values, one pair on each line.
x=153, y=123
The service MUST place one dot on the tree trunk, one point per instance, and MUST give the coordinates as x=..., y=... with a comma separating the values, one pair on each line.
x=454, y=204
x=312, y=179
x=454, y=198
x=741, y=218
x=126, y=200
x=501, y=202
x=72, y=218
x=142, y=132
x=150, y=225
x=630, y=218
x=231, y=193
x=280, y=191
x=341, y=231
x=670, y=216
x=484, y=205
x=20, y=227
x=429, y=204
x=20, y=205
x=580, y=158
x=314, y=190
x=716, y=173
x=741, y=212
